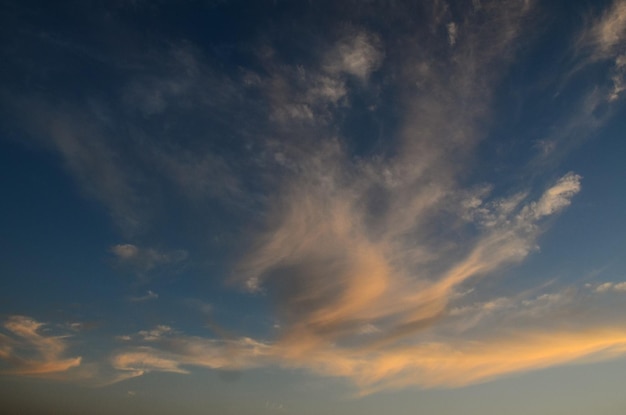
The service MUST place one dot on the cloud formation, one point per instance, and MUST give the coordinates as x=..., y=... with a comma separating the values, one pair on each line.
x=329, y=278
x=607, y=32
x=611, y=286
x=365, y=259
x=365, y=236
x=358, y=54
x=30, y=352
x=143, y=260
x=176, y=352
x=468, y=345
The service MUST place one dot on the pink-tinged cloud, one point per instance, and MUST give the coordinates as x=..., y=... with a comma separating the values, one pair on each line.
x=349, y=308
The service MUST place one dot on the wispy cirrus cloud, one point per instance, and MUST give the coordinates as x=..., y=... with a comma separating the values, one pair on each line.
x=598, y=44
x=125, y=170
x=603, y=40
x=306, y=96
x=30, y=351
x=469, y=345
x=174, y=353
x=363, y=246
x=606, y=33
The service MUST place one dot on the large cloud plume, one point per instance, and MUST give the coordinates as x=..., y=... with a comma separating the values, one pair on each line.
x=367, y=242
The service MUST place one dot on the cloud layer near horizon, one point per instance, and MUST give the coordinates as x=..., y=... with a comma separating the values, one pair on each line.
x=29, y=352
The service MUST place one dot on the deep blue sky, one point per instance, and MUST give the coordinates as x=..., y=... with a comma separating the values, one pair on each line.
x=342, y=207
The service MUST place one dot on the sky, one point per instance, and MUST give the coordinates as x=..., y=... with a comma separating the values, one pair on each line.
x=313, y=207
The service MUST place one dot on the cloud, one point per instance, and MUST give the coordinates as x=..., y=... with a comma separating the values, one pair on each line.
x=30, y=352
x=605, y=37
x=358, y=54
x=607, y=32
x=143, y=360
x=200, y=176
x=150, y=295
x=523, y=335
x=351, y=245
x=598, y=46
x=362, y=254
x=88, y=152
x=472, y=362
x=618, y=78
x=173, y=352
x=522, y=311
x=329, y=278
x=156, y=333
x=452, y=33
x=143, y=260
x=125, y=251
x=352, y=307
x=611, y=286
x=557, y=197
x=126, y=169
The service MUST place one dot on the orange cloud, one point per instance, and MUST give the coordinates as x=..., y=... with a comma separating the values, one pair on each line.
x=31, y=353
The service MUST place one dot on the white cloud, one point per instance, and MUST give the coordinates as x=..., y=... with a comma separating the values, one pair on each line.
x=611, y=286
x=557, y=197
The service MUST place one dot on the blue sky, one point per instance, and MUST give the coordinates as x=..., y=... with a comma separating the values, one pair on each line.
x=347, y=207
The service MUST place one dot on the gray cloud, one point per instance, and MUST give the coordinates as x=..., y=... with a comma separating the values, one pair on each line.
x=358, y=54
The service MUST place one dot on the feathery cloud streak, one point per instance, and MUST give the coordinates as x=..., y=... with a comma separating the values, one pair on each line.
x=30, y=352
x=522, y=335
